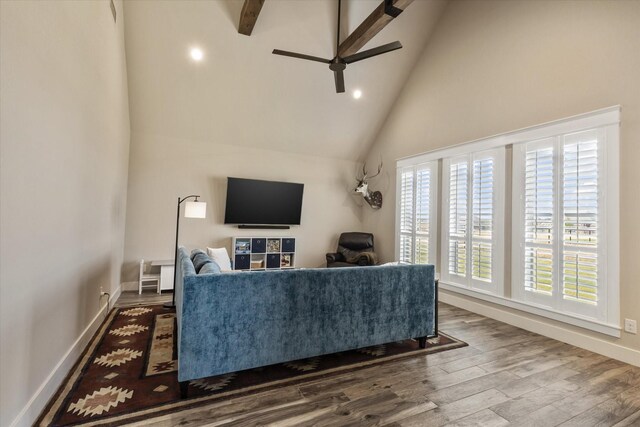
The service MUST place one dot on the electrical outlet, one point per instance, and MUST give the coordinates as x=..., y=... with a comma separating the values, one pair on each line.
x=101, y=291
x=631, y=326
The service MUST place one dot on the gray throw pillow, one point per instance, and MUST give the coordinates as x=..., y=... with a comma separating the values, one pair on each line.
x=196, y=252
x=210, y=268
x=199, y=260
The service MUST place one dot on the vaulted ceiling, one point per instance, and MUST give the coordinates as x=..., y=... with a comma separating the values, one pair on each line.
x=242, y=94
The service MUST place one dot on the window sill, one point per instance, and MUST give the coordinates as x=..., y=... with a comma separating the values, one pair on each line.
x=582, y=322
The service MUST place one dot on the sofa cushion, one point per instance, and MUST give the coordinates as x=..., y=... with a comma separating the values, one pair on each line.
x=210, y=268
x=196, y=252
x=199, y=260
x=221, y=257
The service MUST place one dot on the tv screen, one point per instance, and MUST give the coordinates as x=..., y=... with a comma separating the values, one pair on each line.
x=256, y=202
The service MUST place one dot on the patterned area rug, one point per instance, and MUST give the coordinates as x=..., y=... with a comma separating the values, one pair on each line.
x=128, y=371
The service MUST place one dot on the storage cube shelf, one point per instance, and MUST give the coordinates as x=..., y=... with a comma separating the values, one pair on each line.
x=260, y=253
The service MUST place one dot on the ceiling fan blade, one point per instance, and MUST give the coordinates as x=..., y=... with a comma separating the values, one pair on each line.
x=372, y=52
x=300, y=56
x=339, y=77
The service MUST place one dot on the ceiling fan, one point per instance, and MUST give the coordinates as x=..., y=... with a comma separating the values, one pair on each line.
x=338, y=63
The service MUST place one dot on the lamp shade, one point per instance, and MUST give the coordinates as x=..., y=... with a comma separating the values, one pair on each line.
x=195, y=210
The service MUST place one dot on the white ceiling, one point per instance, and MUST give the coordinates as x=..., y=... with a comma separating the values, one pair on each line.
x=242, y=94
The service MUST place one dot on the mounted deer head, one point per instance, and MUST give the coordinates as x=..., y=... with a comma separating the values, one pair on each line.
x=373, y=198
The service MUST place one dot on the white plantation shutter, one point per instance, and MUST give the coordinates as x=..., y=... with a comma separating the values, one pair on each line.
x=482, y=219
x=458, y=204
x=406, y=185
x=580, y=217
x=406, y=248
x=458, y=257
x=423, y=215
x=473, y=211
x=422, y=250
x=560, y=223
x=539, y=217
x=416, y=213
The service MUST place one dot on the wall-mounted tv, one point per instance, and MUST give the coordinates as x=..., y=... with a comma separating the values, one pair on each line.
x=257, y=202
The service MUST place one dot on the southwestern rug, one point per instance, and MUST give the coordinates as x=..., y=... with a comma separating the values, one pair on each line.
x=128, y=372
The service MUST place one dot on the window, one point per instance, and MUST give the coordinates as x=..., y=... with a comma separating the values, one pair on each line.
x=417, y=186
x=483, y=200
x=458, y=178
x=558, y=262
x=473, y=206
x=539, y=190
x=561, y=182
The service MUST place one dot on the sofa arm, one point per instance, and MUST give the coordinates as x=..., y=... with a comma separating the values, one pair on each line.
x=367, y=258
x=335, y=257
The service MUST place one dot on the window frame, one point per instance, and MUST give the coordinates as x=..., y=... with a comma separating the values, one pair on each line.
x=432, y=166
x=518, y=224
x=607, y=311
x=608, y=118
x=496, y=285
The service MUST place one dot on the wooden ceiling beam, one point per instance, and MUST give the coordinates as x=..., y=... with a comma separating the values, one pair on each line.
x=372, y=25
x=249, y=15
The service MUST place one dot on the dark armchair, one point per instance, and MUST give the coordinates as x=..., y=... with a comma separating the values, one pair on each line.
x=354, y=249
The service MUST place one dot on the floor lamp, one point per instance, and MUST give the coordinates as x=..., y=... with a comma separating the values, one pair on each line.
x=193, y=209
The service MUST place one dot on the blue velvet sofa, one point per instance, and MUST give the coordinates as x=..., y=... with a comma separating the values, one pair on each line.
x=234, y=321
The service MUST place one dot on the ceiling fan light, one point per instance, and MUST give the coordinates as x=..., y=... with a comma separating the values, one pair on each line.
x=357, y=94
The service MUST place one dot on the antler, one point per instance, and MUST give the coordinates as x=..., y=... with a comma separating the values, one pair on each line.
x=379, y=169
x=364, y=173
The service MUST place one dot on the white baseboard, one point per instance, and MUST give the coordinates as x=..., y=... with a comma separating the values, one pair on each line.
x=612, y=350
x=41, y=397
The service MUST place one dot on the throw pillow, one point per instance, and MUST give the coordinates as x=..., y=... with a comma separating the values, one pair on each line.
x=196, y=252
x=220, y=257
x=200, y=260
x=210, y=268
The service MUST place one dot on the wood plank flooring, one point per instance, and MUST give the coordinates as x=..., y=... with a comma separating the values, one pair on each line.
x=147, y=297
x=506, y=376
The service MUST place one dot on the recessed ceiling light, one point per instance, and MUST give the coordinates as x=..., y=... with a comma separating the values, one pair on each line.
x=357, y=94
x=196, y=54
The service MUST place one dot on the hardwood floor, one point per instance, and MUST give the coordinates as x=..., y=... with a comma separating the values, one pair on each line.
x=128, y=299
x=506, y=376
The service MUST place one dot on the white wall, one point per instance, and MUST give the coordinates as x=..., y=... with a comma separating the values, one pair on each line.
x=64, y=133
x=496, y=66
x=163, y=169
x=244, y=112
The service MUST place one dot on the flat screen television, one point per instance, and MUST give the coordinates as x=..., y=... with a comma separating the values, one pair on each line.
x=257, y=202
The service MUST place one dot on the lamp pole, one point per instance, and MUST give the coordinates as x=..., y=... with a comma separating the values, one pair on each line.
x=172, y=304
